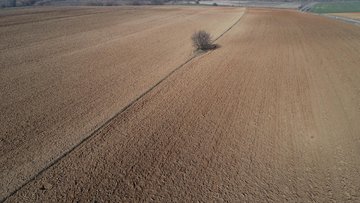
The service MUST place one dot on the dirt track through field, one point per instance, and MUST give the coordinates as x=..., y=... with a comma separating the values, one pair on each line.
x=272, y=115
x=66, y=71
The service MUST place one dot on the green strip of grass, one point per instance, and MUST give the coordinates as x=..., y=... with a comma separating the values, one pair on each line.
x=336, y=7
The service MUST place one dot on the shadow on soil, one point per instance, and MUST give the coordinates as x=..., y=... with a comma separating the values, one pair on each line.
x=211, y=48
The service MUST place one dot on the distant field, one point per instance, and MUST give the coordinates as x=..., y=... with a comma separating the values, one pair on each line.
x=355, y=15
x=336, y=7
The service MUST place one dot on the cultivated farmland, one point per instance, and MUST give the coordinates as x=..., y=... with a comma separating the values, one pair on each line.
x=66, y=71
x=112, y=104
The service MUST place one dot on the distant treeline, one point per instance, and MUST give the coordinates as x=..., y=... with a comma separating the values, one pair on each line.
x=18, y=3
x=15, y=3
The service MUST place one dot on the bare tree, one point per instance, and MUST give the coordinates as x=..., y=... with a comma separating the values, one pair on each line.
x=202, y=40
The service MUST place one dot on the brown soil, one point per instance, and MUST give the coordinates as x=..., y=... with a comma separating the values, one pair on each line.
x=65, y=71
x=272, y=115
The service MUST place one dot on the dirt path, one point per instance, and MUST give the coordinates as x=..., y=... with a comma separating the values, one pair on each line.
x=352, y=18
x=65, y=71
x=270, y=116
x=355, y=16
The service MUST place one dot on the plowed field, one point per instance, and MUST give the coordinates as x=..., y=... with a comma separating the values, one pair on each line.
x=271, y=115
x=65, y=71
